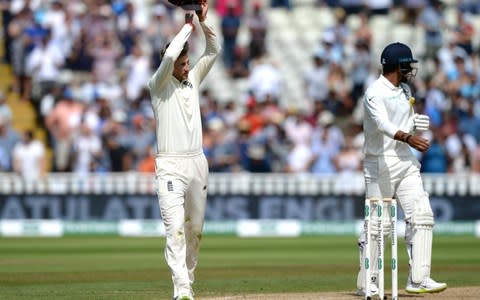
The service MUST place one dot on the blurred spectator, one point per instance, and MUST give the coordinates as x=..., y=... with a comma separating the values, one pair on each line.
x=464, y=32
x=230, y=25
x=340, y=30
x=460, y=78
x=159, y=32
x=435, y=102
x=79, y=58
x=364, y=34
x=29, y=157
x=105, y=52
x=265, y=79
x=257, y=24
x=361, y=66
x=331, y=47
x=19, y=48
x=8, y=139
x=349, y=159
x=6, y=18
x=44, y=64
x=432, y=20
x=277, y=143
x=231, y=113
x=211, y=110
x=127, y=29
x=118, y=157
x=435, y=160
x=240, y=64
x=447, y=53
x=327, y=140
x=5, y=111
x=299, y=132
x=458, y=148
x=475, y=160
x=87, y=150
x=147, y=163
x=55, y=18
x=470, y=124
x=252, y=121
x=137, y=69
x=469, y=6
x=222, y=155
x=141, y=138
x=339, y=87
x=257, y=158
x=299, y=159
x=315, y=79
x=222, y=6
x=61, y=123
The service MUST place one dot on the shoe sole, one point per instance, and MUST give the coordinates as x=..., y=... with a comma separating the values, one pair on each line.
x=424, y=291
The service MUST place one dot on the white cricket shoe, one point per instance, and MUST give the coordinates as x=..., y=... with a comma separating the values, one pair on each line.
x=183, y=297
x=427, y=286
x=373, y=290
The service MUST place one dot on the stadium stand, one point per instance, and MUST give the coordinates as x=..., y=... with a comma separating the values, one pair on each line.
x=293, y=37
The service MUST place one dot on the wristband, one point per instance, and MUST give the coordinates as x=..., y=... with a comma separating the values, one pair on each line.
x=409, y=136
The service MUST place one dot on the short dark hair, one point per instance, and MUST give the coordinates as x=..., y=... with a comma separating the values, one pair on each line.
x=390, y=68
x=184, y=50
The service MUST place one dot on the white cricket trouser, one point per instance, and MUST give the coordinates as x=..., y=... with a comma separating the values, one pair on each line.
x=182, y=194
x=387, y=177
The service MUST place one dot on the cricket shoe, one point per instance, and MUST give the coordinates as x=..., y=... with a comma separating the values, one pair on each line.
x=185, y=297
x=427, y=286
x=373, y=290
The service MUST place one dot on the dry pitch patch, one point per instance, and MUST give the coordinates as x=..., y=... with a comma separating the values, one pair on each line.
x=469, y=293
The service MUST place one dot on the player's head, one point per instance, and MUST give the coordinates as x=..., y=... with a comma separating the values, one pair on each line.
x=397, y=57
x=181, y=66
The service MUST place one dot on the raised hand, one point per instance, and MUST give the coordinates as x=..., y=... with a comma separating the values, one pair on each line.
x=189, y=19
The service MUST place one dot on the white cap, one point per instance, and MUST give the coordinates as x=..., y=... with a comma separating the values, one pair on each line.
x=215, y=124
x=328, y=37
x=119, y=116
x=326, y=118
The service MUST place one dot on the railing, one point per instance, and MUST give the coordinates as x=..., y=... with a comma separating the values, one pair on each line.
x=228, y=183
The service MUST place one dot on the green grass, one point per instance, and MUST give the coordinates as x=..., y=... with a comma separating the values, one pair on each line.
x=134, y=268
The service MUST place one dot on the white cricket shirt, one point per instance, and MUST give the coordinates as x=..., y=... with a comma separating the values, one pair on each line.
x=176, y=105
x=387, y=110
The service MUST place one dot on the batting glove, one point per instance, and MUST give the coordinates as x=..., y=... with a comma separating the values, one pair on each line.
x=421, y=122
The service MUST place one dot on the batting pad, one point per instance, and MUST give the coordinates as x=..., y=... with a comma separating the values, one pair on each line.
x=422, y=239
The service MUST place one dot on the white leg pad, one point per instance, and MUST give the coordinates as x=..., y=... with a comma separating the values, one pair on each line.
x=422, y=222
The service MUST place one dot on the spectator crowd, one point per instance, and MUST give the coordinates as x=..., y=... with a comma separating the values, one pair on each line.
x=84, y=65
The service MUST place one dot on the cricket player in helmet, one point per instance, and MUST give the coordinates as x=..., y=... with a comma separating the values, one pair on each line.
x=180, y=166
x=391, y=170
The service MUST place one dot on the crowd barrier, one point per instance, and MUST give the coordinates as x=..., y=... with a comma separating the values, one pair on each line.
x=467, y=184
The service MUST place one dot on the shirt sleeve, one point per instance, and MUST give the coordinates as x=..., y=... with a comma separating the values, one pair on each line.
x=160, y=78
x=375, y=108
x=212, y=49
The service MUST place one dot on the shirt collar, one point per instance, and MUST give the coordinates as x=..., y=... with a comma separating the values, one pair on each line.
x=388, y=84
x=185, y=82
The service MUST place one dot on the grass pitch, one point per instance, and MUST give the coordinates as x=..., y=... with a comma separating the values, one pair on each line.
x=134, y=268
